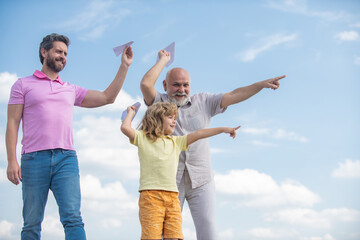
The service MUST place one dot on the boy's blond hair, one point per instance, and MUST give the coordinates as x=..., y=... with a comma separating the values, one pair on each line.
x=152, y=123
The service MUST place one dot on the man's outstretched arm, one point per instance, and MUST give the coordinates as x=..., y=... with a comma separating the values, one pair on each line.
x=147, y=84
x=96, y=98
x=243, y=93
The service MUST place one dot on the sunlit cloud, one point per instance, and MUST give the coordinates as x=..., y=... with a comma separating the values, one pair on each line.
x=99, y=142
x=262, y=190
x=217, y=150
x=6, y=230
x=95, y=19
x=265, y=44
x=111, y=200
x=291, y=136
x=148, y=57
x=52, y=227
x=279, y=134
x=325, y=237
x=301, y=7
x=160, y=29
x=256, y=131
x=314, y=219
x=188, y=227
x=272, y=233
x=347, y=36
x=3, y=177
x=6, y=81
x=347, y=169
x=227, y=234
x=263, y=143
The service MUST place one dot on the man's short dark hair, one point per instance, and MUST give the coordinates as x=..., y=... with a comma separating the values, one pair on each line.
x=47, y=43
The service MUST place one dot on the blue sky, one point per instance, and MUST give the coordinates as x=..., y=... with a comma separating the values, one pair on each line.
x=293, y=172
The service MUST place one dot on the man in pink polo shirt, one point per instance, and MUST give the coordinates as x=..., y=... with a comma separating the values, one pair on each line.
x=45, y=103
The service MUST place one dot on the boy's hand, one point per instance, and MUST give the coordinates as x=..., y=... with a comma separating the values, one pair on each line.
x=232, y=131
x=131, y=109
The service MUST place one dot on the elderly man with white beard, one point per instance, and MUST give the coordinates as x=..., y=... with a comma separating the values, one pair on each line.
x=195, y=176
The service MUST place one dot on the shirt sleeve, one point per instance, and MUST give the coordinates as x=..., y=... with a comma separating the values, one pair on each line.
x=157, y=98
x=17, y=95
x=181, y=141
x=137, y=138
x=80, y=94
x=213, y=102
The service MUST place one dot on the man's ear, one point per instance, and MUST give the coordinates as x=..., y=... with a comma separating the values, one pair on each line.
x=164, y=84
x=43, y=52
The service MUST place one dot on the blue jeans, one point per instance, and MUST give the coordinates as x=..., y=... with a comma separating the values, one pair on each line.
x=58, y=170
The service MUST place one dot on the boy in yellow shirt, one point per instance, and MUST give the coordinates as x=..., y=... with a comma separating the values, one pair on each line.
x=159, y=206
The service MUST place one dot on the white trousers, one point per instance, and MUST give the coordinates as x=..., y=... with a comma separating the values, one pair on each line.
x=201, y=201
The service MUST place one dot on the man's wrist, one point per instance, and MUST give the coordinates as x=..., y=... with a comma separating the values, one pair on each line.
x=124, y=65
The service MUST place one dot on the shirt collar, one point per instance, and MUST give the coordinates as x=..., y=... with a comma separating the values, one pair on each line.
x=42, y=76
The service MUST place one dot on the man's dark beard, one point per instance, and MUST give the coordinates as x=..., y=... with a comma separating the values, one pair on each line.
x=51, y=63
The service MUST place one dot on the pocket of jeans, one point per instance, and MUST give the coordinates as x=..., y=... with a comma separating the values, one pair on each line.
x=28, y=156
x=69, y=152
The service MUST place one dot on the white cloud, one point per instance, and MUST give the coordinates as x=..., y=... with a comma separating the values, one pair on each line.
x=110, y=200
x=189, y=234
x=348, y=169
x=188, y=225
x=325, y=237
x=271, y=233
x=3, y=175
x=227, y=234
x=262, y=189
x=6, y=229
x=51, y=226
x=160, y=29
x=111, y=223
x=263, y=144
x=151, y=56
x=122, y=101
x=94, y=20
x=300, y=7
x=100, y=142
x=217, y=150
x=256, y=131
x=301, y=217
x=265, y=45
x=291, y=136
x=6, y=81
x=275, y=134
x=347, y=36
x=313, y=219
x=92, y=188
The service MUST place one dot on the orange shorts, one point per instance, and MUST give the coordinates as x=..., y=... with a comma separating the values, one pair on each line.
x=160, y=214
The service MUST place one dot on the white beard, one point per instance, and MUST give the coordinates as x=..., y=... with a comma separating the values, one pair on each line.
x=177, y=102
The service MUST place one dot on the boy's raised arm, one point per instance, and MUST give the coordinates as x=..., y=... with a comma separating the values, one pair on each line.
x=205, y=133
x=126, y=124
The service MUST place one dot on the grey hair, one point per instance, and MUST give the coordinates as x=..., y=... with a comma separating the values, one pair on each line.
x=47, y=43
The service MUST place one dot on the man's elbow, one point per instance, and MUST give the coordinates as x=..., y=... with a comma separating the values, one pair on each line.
x=110, y=100
x=144, y=86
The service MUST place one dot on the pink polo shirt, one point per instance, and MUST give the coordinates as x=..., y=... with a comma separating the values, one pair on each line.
x=48, y=111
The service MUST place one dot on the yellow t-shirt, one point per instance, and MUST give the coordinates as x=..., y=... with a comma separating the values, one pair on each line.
x=159, y=161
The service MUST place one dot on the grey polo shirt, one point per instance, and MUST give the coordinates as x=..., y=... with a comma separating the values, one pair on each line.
x=195, y=115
